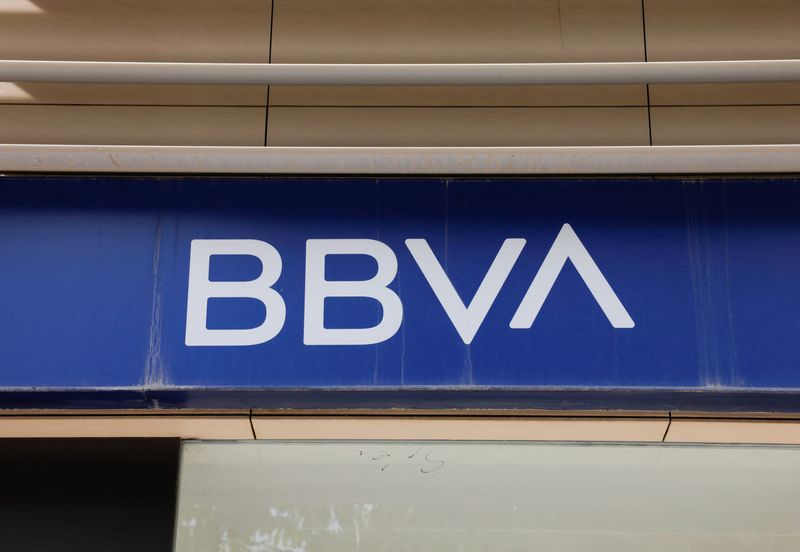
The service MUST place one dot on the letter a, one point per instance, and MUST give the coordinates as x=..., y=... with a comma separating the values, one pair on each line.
x=568, y=246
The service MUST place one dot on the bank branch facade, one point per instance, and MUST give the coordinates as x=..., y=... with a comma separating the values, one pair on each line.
x=474, y=275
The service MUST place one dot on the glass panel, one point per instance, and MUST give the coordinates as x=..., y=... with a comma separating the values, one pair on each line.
x=265, y=496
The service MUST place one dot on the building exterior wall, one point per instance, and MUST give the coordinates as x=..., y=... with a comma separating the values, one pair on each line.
x=374, y=31
x=421, y=31
x=381, y=31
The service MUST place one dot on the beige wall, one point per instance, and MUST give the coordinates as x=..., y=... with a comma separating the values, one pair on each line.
x=555, y=426
x=395, y=32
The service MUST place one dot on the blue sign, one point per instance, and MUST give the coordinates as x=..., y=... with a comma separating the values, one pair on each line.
x=523, y=292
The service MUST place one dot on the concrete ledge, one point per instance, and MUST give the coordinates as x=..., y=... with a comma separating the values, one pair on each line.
x=611, y=160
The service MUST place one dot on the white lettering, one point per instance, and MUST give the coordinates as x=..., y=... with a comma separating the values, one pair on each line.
x=201, y=290
x=466, y=319
x=318, y=288
x=568, y=246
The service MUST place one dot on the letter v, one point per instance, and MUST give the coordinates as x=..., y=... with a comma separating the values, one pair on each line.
x=466, y=320
x=568, y=246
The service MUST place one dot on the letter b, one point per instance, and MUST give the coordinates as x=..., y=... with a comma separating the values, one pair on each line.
x=201, y=289
x=318, y=288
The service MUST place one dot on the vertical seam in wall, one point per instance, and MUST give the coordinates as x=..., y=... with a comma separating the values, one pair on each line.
x=266, y=109
x=252, y=427
x=647, y=86
x=666, y=431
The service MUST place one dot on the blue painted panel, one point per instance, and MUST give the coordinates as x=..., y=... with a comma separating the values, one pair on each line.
x=76, y=273
x=95, y=274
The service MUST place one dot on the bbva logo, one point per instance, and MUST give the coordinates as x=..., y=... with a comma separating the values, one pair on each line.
x=466, y=318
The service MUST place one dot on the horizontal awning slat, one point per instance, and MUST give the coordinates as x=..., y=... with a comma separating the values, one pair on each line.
x=660, y=72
